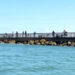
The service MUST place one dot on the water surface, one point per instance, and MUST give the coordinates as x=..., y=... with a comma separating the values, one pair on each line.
x=36, y=60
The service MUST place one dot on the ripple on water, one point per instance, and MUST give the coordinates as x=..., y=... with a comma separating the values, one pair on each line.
x=36, y=60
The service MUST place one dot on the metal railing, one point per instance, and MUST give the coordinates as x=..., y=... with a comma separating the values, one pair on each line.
x=13, y=35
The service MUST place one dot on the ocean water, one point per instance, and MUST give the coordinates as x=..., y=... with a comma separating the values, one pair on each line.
x=36, y=60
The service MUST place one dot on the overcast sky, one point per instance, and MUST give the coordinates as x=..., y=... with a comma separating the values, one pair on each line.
x=37, y=15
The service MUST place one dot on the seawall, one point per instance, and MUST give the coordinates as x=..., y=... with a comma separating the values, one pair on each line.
x=54, y=39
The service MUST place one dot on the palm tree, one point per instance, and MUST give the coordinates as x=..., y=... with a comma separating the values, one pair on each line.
x=16, y=34
x=64, y=33
x=6, y=35
x=25, y=33
x=34, y=34
x=53, y=33
x=12, y=34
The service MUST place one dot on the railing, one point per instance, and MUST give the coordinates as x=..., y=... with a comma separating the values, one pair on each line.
x=13, y=35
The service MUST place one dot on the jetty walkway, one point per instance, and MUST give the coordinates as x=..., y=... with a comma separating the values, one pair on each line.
x=56, y=37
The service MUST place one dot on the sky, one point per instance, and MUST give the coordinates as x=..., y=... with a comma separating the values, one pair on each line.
x=37, y=15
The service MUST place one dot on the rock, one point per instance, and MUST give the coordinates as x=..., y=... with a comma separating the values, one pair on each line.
x=69, y=43
x=42, y=41
x=52, y=43
x=73, y=44
x=12, y=41
x=25, y=42
x=31, y=42
x=46, y=43
x=6, y=41
x=37, y=41
x=1, y=42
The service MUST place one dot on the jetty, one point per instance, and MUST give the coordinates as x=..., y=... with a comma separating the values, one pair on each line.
x=24, y=37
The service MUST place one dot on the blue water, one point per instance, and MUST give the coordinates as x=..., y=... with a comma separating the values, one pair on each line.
x=36, y=60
